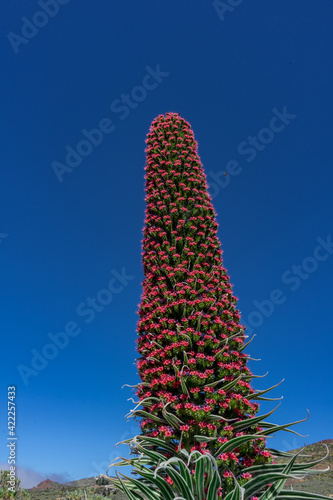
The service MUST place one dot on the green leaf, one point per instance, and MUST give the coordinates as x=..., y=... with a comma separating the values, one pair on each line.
x=231, y=384
x=297, y=468
x=155, y=442
x=158, y=345
x=145, y=402
x=251, y=376
x=145, y=384
x=166, y=490
x=256, y=485
x=219, y=352
x=180, y=483
x=131, y=495
x=249, y=422
x=277, y=486
x=226, y=387
x=142, y=413
x=187, y=338
x=171, y=418
x=182, y=382
x=236, y=494
x=260, y=398
x=291, y=462
x=145, y=490
x=259, y=470
x=259, y=393
x=214, y=485
x=301, y=495
x=213, y=418
x=150, y=453
x=247, y=343
x=274, y=427
x=152, y=358
x=124, y=462
x=185, y=473
x=226, y=343
x=235, y=442
x=278, y=453
x=204, y=439
x=175, y=367
x=199, y=478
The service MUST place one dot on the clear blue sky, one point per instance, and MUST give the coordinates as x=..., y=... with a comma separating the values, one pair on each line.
x=255, y=82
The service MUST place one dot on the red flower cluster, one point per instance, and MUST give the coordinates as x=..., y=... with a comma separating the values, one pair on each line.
x=189, y=331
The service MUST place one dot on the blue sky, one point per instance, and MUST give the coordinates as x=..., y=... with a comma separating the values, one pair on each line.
x=80, y=86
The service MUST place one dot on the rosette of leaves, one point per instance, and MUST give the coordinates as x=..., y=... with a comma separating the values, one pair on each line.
x=164, y=474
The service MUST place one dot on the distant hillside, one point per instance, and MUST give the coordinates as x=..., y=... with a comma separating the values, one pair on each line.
x=50, y=490
x=82, y=483
x=48, y=484
x=315, y=483
x=318, y=483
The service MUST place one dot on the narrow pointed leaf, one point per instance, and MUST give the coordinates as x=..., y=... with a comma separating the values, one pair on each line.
x=166, y=490
x=214, y=485
x=249, y=422
x=271, y=428
x=247, y=343
x=237, y=441
x=147, y=492
x=131, y=495
x=172, y=419
x=301, y=495
x=199, y=478
x=277, y=486
x=145, y=414
x=204, y=439
x=237, y=494
x=180, y=483
x=256, y=485
x=259, y=393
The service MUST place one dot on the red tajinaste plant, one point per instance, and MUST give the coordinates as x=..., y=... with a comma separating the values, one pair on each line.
x=195, y=387
x=201, y=438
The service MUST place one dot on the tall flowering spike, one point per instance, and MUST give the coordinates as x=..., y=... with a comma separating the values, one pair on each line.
x=195, y=381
